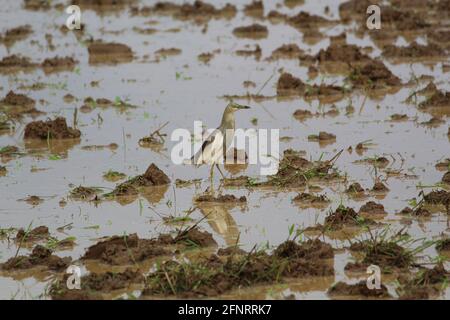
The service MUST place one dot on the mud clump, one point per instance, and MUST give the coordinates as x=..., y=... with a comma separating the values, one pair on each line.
x=226, y=198
x=302, y=114
x=193, y=236
x=256, y=52
x=287, y=51
x=307, y=198
x=164, y=52
x=36, y=234
x=123, y=250
x=255, y=9
x=214, y=275
x=344, y=217
x=14, y=63
x=437, y=197
x=380, y=187
x=155, y=176
x=322, y=136
x=58, y=64
x=346, y=53
x=53, y=129
x=288, y=85
x=13, y=35
x=438, y=99
x=304, y=20
x=16, y=105
x=426, y=284
x=443, y=245
x=358, y=289
x=384, y=252
x=446, y=178
x=39, y=257
x=93, y=284
x=294, y=171
x=109, y=53
x=414, y=50
x=372, y=208
x=373, y=75
x=199, y=11
x=84, y=193
x=355, y=188
x=254, y=31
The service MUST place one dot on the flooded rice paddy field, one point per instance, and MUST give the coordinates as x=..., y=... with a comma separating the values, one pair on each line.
x=86, y=176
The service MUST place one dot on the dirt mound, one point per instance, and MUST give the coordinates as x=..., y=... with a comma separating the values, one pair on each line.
x=84, y=193
x=373, y=75
x=426, y=284
x=344, y=217
x=36, y=5
x=14, y=63
x=437, y=197
x=254, y=31
x=383, y=252
x=153, y=176
x=443, y=245
x=199, y=11
x=414, y=50
x=347, y=53
x=39, y=257
x=304, y=20
x=372, y=208
x=288, y=85
x=95, y=283
x=54, y=129
x=255, y=9
x=438, y=99
x=36, y=234
x=379, y=187
x=214, y=275
x=446, y=178
x=307, y=198
x=226, y=198
x=109, y=53
x=355, y=188
x=13, y=35
x=322, y=136
x=58, y=64
x=287, y=51
x=16, y=104
x=294, y=171
x=123, y=250
x=358, y=289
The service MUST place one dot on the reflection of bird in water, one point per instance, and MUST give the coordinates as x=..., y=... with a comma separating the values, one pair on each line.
x=240, y=161
x=221, y=221
x=214, y=148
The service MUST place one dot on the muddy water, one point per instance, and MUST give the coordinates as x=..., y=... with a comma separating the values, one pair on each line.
x=180, y=89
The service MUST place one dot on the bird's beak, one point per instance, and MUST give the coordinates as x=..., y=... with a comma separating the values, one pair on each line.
x=239, y=106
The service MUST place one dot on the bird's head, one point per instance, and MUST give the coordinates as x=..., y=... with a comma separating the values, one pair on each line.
x=233, y=106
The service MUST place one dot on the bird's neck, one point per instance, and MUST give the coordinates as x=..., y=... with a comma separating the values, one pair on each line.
x=228, y=121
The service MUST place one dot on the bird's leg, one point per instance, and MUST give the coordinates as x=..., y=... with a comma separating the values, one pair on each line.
x=221, y=173
x=223, y=178
x=211, y=175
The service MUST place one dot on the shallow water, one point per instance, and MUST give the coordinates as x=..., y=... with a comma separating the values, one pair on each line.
x=196, y=95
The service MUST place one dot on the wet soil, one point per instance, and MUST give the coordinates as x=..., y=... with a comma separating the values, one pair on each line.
x=78, y=113
x=50, y=129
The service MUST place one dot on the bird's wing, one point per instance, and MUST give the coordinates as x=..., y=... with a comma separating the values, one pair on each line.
x=198, y=157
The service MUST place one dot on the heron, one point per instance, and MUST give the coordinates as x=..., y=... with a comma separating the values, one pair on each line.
x=216, y=144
